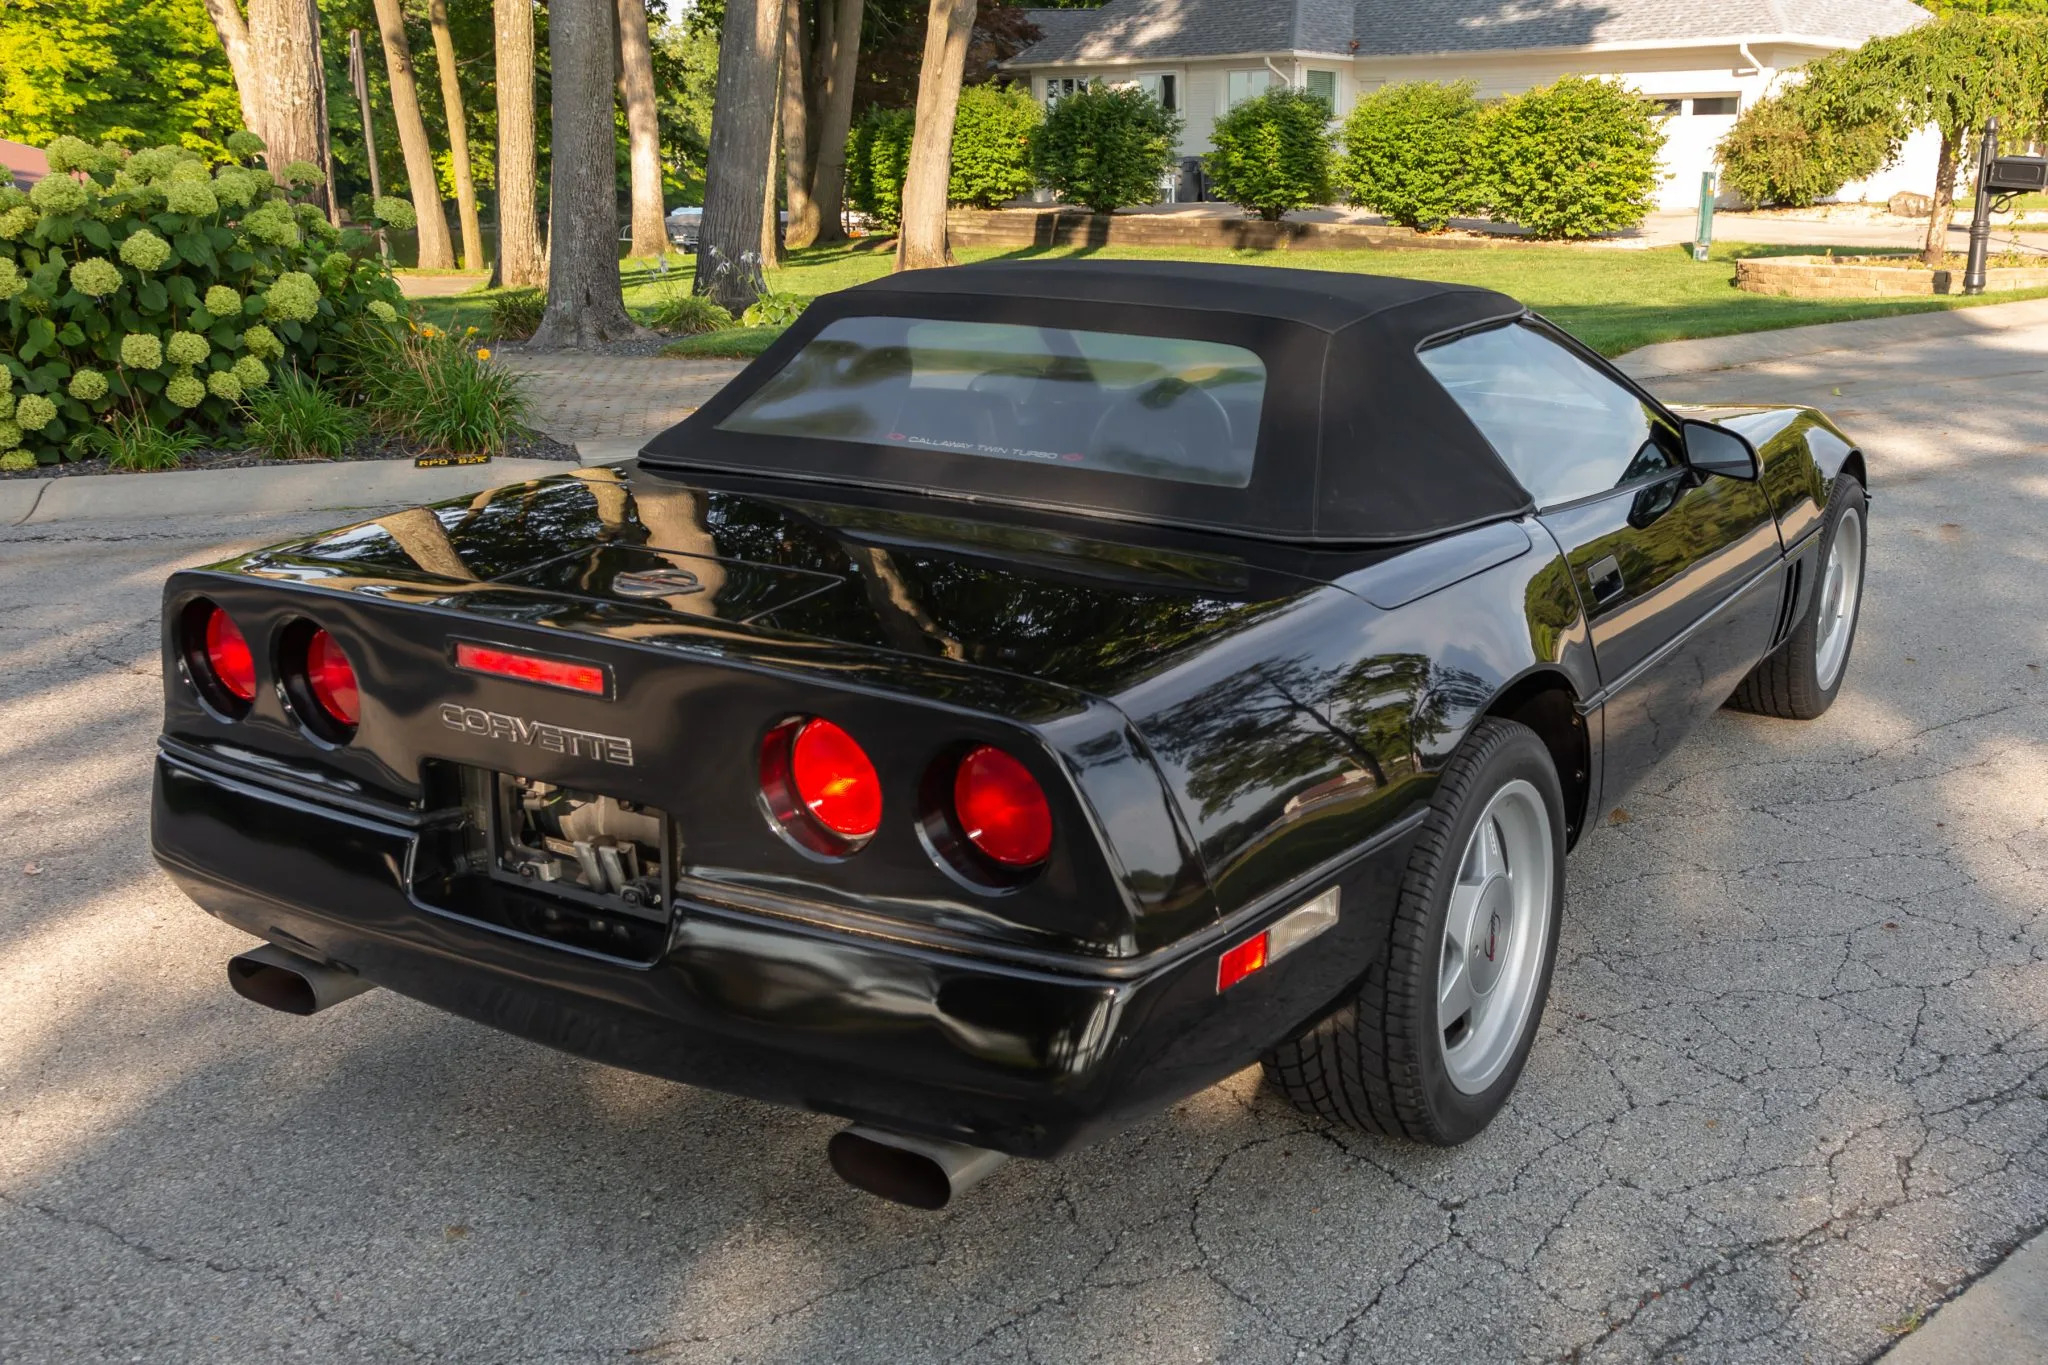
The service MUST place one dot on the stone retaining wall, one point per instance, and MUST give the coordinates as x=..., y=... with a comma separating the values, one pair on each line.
x=1839, y=277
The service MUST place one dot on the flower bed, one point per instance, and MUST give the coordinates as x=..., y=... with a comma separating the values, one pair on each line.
x=152, y=292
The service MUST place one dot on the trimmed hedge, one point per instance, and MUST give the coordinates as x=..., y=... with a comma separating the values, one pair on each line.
x=1411, y=153
x=1574, y=159
x=155, y=286
x=877, y=159
x=1107, y=148
x=992, y=145
x=1273, y=153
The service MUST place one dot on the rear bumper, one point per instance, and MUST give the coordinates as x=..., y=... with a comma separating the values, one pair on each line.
x=943, y=1044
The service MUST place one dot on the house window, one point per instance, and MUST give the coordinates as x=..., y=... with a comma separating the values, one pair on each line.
x=1724, y=105
x=1323, y=83
x=1244, y=85
x=1055, y=86
x=1162, y=87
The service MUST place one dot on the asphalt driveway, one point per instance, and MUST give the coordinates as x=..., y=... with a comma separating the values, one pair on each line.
x=1790, y=1090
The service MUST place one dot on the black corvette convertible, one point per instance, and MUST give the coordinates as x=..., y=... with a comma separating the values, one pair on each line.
x=1024, y=696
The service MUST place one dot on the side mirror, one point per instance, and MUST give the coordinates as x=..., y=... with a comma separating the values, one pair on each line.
x=1714, y=449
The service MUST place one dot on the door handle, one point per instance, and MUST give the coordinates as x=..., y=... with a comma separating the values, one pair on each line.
x=1606, y=580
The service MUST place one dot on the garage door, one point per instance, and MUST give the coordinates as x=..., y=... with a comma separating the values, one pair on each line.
x=1693, y=126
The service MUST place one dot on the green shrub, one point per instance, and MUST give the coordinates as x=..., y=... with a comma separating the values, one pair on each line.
x=1411, y=153
x=687, y=314
x=296, y=419
x=1780, y=153
x=1272, y=153
x=877, y=159
x=774, y=310
x=1106, y=148
x=138, y=289
x=515, y=313
x=1573, y=159
x=431, y=389
x=992, y=145
x=130, y=440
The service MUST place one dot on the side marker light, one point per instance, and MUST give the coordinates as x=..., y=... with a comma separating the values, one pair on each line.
x=1276, y=940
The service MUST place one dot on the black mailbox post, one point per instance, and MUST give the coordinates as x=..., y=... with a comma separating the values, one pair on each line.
x=1999, y=178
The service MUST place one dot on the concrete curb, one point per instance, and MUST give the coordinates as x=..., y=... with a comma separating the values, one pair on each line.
x=274, y=490
x=2002, y=1319
x=1668, y=358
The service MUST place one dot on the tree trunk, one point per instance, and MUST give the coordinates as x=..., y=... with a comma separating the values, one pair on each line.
x=234, y=39
x=284, y=49
x=771, y=235
x=837, y=57
x=458, y=136
x=435, y=251
x=1936, y=248
x=742, y=126
x=797, y=153
x=585, y=305
x=519, y=258
x=636, y=85
x=921, y=244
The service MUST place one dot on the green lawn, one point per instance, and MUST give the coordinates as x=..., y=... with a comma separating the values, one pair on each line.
x=1616, y=300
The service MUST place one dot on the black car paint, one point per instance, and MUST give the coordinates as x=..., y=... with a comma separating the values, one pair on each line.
x=1225, y=726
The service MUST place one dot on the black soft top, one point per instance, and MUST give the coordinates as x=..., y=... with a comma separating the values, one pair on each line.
x=1357, y=441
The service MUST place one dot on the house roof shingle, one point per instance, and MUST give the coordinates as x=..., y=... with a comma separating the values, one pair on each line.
x=1163, y=29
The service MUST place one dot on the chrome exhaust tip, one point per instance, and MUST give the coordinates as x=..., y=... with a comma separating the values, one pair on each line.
x=291, y=984
x=923, y=1173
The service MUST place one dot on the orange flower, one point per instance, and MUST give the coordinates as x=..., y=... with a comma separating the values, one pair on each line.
x=483, y=353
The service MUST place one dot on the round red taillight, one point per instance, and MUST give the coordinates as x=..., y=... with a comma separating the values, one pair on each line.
x=1001, y=808
x=227, y=654
x=332, y=679
x=835, y=781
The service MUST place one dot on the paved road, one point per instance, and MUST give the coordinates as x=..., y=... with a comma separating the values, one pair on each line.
x=1792, y=1088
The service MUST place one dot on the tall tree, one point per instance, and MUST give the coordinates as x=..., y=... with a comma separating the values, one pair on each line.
x=643, y=129
x=234, y=40
x=799, y=160
x=742, y=128
x=435, y=251
x=458, y=135
x=921, y=243
x=275, y=57
x=519, y=254
x=585, y=305
x=835, y=58
x=771, y=225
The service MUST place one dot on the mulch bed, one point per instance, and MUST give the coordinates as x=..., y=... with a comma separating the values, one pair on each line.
x=534, y=447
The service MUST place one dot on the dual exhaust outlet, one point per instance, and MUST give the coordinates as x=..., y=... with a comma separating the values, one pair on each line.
x=922, y=1173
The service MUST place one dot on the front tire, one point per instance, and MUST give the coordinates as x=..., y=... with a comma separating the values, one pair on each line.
x=1802, y=678
x=1433, y=1042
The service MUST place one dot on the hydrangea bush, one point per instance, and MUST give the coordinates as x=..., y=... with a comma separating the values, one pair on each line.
x=152, y=284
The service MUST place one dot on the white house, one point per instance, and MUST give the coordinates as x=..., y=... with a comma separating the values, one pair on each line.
x=1706, y=60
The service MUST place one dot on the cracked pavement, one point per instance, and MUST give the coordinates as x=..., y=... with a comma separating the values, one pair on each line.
x=1792, y=1088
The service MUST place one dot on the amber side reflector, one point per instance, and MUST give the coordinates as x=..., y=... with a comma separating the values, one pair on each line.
x=506, y=663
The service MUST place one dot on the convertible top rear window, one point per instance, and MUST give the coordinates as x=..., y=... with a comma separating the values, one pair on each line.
x=1156, y=407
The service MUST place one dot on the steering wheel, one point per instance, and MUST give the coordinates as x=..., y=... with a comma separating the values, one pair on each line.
x=1166, y=421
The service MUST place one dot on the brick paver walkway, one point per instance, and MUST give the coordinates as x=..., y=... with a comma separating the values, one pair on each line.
x=576, y=397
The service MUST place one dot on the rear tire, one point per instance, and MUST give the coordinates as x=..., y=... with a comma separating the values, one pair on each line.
x=1482, y=897
x=1801, y=679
